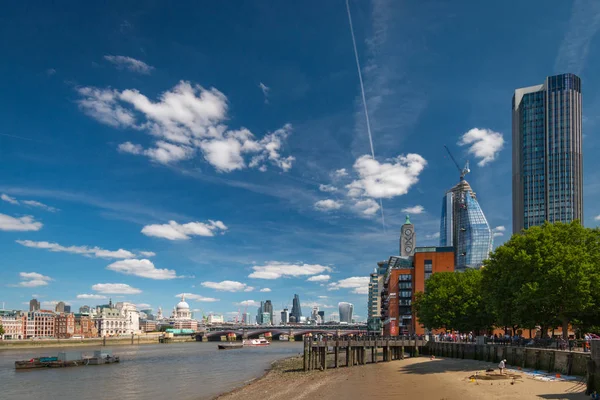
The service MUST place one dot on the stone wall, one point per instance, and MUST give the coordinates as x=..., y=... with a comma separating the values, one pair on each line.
x=564, y=362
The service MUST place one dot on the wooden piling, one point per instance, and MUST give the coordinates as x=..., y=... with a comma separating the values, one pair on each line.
x=306, y=354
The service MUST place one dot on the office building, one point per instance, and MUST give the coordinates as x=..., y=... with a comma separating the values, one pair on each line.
x=245, y=318
x=406, y=276
x=60, y=307
x=40, y=324
x=64, y=325
x=345, y=310
x=285, y=316
x=14, y=324
x=547, y=162
x=266, y=318
x=34, y=305
x=296, y=310
x=67, y=308
x=268, y=308
x=322, y=316
x=84, y=309
x=464, y=226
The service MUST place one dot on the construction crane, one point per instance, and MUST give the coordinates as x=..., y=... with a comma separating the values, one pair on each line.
x=464, y=171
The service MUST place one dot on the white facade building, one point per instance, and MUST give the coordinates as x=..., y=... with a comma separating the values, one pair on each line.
x=132, y=317
x=215, y=319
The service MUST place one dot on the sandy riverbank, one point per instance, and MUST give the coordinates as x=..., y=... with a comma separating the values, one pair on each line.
x=414, y=378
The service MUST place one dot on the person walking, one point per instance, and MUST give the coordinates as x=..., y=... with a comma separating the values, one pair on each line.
x=502, y=366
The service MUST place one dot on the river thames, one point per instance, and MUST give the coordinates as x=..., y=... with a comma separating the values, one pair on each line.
x=182, y=371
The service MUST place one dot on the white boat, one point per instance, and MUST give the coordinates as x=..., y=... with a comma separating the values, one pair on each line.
x=256, y=342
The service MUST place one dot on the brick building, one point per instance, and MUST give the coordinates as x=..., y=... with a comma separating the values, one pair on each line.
x=40, y=324
x=84, y=326
x=64, y=325
x=405, y=276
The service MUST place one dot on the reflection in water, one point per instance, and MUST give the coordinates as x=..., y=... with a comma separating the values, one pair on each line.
x=178, y=371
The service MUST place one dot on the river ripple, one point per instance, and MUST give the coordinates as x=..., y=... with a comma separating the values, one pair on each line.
x=181, y=371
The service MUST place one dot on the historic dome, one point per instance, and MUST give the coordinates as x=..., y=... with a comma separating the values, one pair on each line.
x=182, y=305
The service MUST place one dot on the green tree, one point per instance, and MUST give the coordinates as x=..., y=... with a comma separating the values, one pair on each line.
x=547, y=275
x=453, y=301
x=1, y=330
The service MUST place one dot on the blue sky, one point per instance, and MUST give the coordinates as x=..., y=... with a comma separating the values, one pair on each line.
x=243, y=125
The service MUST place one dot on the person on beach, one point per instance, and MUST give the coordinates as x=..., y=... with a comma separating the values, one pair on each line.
x=502, y=366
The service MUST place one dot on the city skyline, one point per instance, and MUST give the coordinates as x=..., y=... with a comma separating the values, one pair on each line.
x=234, y=168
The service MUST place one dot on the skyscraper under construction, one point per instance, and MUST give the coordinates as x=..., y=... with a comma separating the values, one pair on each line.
x=464, y=226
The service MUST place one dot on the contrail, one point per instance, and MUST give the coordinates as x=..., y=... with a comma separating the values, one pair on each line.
x=364, y=100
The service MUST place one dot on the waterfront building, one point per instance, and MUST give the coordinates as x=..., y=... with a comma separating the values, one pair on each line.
x=40, y=324
x=64, y=325
x=13, y=323
x=345, y=310
x=109, y=321
x=131, y=316
x=215, y=319
x=148, y=325
x=296, y=308
x=374, y=296
x=464, y=226
x=34, y=305
x=84, y=326
x=60, y=307
x=547, y=156
x=405, y=277
x=285, y=316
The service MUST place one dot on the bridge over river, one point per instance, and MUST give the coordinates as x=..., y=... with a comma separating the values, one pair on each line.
x=293, y=332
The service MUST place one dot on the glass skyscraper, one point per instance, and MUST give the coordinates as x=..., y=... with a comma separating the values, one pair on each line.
x=547, y=169
x=464, y=227
x=346, y=312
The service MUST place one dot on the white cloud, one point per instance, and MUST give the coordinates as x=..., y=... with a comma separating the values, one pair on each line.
x=83, y=250
x=327, y=188
x=31, y=203
x=142, y=306
x=248, y=303
x=197, y=297
x=358, y=284
x=9, y=199
x=130, y=63
x=418, y=209
x=265, y=90
x=37, y=204
x=328, y=205
x=275, y=270
x=367, y=206
x=435, y=235
x=184, y=120
x=50, y=71
x=496, y=234
x=311, y=304
x=21, y=224
x=33, y=279
x=319, y=278
x=388, y=179
x=142, y=268
x=597, y=218
x=103, y=106
x=91, y=296
x=147, y=253
x=49, y=303
x=340, y=173
x=176, y=231
x=323, y=297
x=228, y=286
x=265, y=290
x=484, y=144
x=115, y=288
x=498, y=231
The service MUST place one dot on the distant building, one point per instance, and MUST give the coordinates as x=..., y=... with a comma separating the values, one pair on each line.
x=215, y=319
x=182, y=316
x=60, y=307
x=406, y=276
x=148, y=325
x=296, y=308
x=464, y=226
x=547, y=152
x=110, y=322
x=293, y=319
x=84, y=326
x=345, y=310
x=285, y=316
x=268, y=308
x=84, y=309
x=34, y=305
x=67, y=308
x=245, y=318
x=148, y=313
x=131, y=316
x=266, y=318
x=374, y=296
x=322, y=316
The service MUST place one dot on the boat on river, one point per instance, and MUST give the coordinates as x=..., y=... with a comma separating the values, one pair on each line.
x=256, y=342
x=68, y=359
x=229, y=346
